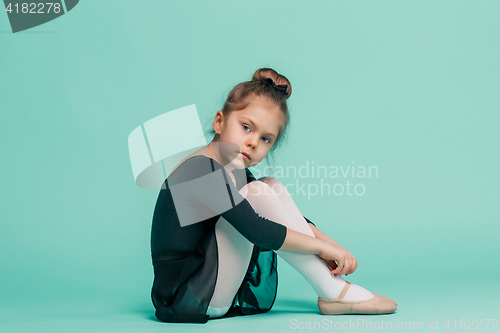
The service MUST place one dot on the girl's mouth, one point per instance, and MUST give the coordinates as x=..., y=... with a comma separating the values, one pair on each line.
x=245, y=156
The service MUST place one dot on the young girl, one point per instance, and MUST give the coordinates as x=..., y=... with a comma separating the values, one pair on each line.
x=216, y=229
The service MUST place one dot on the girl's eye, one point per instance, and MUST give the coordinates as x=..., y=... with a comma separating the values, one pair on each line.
x=245, y=127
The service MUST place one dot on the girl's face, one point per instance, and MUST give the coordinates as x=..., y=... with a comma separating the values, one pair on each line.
x=252, y=130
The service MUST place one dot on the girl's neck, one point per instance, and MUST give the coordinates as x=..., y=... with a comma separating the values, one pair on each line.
x=228, y=166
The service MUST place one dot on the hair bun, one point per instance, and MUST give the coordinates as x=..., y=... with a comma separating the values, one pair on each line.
x=269, y=76
x=281, y=88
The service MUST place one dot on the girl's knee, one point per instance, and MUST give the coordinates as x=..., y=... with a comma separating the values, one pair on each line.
x=254, y=188
x=269, y=180
x=274, y=184
x=263, y=186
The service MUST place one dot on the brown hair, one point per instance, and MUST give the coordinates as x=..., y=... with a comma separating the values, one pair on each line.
x=241, y=96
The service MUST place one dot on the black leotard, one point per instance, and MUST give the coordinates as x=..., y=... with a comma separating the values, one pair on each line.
x=184, y=254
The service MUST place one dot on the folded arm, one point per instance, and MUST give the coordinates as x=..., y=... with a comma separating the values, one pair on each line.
x=321, y=235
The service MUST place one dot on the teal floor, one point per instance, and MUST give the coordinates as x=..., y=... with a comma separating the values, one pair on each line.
x=466, y=305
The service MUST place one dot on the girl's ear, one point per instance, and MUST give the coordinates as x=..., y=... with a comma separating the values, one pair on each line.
x=218, y=121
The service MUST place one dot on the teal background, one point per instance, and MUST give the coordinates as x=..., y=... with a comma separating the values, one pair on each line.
x=408, y=86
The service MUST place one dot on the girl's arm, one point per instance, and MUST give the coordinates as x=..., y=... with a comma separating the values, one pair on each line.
x=298, y=242
x=320, y=235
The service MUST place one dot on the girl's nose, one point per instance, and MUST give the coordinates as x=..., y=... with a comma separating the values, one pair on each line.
x=252, y=141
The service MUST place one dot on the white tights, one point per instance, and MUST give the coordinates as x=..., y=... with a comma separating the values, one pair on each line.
x=270, y=199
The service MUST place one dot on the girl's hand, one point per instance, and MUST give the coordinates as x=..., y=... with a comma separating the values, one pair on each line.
x=352, y=261
x=320, y=235
x=339, y=259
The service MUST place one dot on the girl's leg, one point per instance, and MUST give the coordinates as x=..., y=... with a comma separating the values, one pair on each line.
x=270, y=198
x=234, y=253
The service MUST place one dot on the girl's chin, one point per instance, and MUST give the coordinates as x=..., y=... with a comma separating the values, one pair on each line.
x=238, y=163
x=248, y=164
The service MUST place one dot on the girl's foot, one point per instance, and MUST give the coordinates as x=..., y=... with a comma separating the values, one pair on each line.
x=354, y=292
x=376, y=305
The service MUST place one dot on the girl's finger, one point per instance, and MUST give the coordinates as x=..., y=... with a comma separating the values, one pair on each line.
x=332, y=266
x=340, y=265
x=346, y=267
x=351, y=271
x=339, y=271
x=329, y=264
x=354, y=265
x=338, y=268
